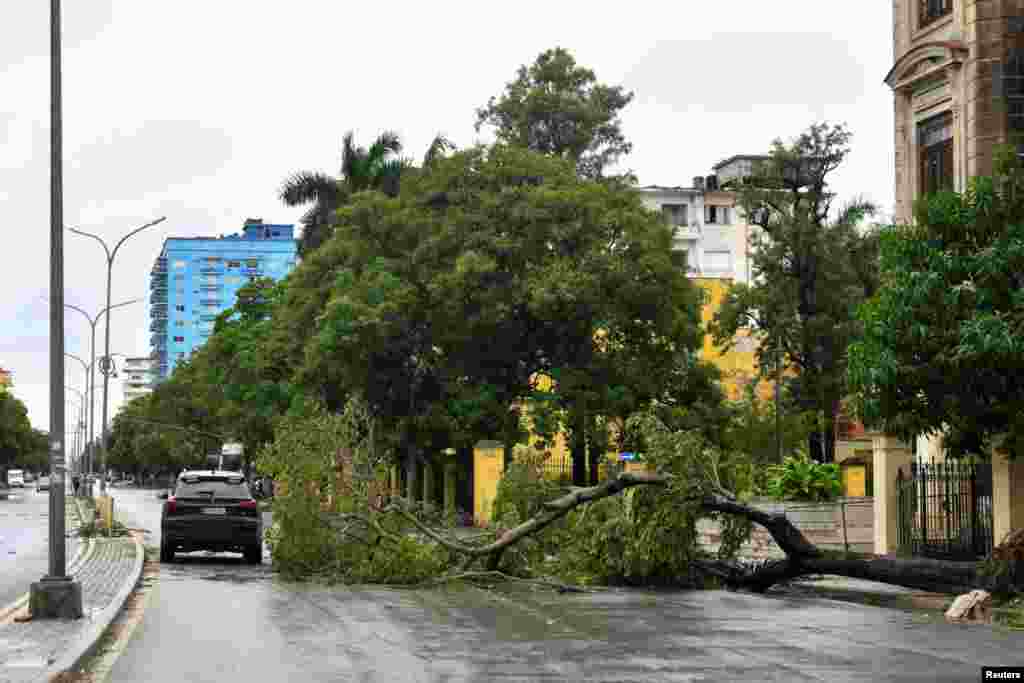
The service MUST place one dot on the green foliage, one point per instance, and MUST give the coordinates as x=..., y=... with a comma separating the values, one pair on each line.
x=645, y=535
x=20, y=445
x=809, y=272
x=800, y=478
x=942, y=349
x=752, y=430
x=556, y=107
x=522, y=488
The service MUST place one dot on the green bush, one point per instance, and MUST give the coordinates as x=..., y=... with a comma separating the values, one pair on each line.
x=523, y=488
x=799, y=478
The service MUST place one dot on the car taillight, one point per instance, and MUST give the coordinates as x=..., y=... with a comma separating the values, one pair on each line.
x=172, y=505
x=249, y=507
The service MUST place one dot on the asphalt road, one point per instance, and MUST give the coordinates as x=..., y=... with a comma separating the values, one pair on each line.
x=24, y=542
x=217, y=619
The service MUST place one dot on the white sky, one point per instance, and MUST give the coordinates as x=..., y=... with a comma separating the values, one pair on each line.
x=198, y=110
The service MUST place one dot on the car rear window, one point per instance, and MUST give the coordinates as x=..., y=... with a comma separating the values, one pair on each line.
x=202, y=487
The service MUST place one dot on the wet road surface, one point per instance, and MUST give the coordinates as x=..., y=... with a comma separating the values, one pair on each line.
x=24, y=542
x=217, y=619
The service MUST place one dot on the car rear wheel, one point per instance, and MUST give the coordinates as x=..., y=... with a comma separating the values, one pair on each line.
x=254, y=554
x=166, y=553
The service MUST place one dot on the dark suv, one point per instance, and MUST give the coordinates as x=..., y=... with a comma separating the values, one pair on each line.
x=211, y=510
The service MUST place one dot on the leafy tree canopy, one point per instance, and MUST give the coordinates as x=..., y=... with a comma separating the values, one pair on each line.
x=943, y=349
x=557, y=107
x=810, y=271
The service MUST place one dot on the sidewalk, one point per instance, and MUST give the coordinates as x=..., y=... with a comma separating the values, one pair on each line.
x=108, y=569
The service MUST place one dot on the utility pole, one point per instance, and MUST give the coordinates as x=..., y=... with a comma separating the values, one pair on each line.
x=56, y=596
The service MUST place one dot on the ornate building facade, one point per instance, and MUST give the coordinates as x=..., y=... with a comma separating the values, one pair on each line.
x=958, y=86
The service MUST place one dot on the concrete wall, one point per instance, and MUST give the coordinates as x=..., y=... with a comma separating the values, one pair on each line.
x=821, y=524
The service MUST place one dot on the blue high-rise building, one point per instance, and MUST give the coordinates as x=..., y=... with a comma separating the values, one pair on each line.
x=196, y=278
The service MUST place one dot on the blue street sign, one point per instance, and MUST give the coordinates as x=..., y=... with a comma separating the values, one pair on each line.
x=626, y=455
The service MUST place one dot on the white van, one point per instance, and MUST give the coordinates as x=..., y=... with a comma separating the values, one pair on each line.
x=16, y=478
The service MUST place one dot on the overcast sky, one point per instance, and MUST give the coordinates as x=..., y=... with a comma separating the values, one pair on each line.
x=198, y=110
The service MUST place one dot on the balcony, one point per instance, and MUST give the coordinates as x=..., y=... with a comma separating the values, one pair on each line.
x=158, y=314
x=210, y=288
x=207, y=270
x=158, y=326
x=158, y=283
x=210, y=302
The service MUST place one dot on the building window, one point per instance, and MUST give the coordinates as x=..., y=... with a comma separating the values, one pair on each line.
x=234, y=264
x=717, y=261
x=935, y=144
x=181, y=354
x=180, y=290
x=675, y=214
x=179, y=323
x=252, y=263
x=930, y=11
x=1013, y=91
x=178, y=265
x=180, y=308
x=179, y=276
x=179, y=340
x=716, y=215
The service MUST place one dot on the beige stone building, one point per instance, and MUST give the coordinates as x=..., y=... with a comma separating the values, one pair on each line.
x=958, y=91
x=958, y=86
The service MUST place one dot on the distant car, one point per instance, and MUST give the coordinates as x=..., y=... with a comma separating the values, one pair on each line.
x=16, y=478
x=29, y=477
x=211, y=510
x=43, y=484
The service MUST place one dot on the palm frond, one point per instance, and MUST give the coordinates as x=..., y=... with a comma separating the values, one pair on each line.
x=438, y=147
x=388, y=141
x=855, y=211
x=304, y=187
x=350, y=156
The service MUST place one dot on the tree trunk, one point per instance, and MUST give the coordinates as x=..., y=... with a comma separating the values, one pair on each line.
x=802, y=557
x=578, y=443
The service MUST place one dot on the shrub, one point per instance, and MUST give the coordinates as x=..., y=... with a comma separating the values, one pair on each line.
x=799, y=478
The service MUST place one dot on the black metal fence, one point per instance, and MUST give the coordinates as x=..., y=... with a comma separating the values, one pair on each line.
x=944, y=510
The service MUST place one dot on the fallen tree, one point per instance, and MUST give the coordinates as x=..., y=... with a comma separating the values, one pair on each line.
x=396, y=542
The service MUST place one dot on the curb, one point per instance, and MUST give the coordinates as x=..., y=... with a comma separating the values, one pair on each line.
x=84, y=550
x=85, y=645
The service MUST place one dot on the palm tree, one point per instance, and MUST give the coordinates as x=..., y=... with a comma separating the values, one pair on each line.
x=377, y=168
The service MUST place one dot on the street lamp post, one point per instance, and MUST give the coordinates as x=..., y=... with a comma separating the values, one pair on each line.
x=85, y=367
x=78, y=421
x=111, y=254
x=92, y=365
x=56, y=595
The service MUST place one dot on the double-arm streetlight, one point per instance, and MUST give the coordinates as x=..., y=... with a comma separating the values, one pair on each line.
x=90, y=369
x=79, y=422
x=85, y=407
x=105, y=363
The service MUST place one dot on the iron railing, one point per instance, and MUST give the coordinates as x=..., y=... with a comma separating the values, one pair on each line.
x=944, y=510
